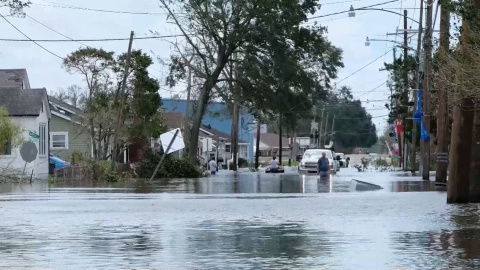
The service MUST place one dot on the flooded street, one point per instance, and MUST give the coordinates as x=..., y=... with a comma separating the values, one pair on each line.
x=247, y=221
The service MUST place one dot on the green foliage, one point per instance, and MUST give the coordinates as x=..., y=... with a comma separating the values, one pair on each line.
x=10, y=133
x=381, y=163
x=16, y=6
x=242, y=163
x=77, y=158
x=106, y=172
x=171, y=167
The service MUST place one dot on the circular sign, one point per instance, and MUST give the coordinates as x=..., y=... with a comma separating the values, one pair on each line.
x=28, y=151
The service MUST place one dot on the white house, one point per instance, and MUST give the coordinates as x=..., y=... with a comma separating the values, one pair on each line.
x=29, y=109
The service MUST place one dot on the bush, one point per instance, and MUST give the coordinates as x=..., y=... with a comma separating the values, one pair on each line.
x=171, y=167
x=242, y=163
x=381, y=163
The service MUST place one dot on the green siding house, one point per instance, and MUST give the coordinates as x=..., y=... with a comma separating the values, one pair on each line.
x=67, y=134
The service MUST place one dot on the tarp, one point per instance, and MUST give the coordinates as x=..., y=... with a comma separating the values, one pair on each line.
x=417, y=116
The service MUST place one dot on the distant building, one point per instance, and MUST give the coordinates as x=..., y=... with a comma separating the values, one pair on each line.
x=14, y=78
x=219, y=117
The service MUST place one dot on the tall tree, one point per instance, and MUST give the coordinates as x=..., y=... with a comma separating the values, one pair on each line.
x=261, y=32
x=16, y=7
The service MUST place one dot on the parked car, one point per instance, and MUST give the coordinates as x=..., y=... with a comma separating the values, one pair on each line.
x=59, y=163
x=310, y=159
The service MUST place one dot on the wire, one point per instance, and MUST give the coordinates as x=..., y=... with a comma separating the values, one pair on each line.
x=47, y=50
x=364, y=66
x=88, y=40
x=55, y=30
x=341, y=12
x=372, y=89
x=57, y=5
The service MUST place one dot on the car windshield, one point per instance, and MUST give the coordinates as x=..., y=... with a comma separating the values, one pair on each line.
x=317, y=154
x=342, y=155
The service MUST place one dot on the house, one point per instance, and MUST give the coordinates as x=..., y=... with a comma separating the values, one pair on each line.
x=67, y=133
x=270, y=144
x=14, y=78
x=217, y=115
x=212, y=142
x=28, y=108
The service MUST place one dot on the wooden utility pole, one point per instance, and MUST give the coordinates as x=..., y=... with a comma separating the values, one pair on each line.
x=280, y=147
x=413, y=152
x=442, y=95
x=257, y=148
x=186, y=128
x=326, y=128
x=405, y=78
x=427, y=88
x=333, y=125
x=236, y=115
x=121, y=100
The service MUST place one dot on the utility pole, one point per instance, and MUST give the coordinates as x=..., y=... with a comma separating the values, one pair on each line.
x=235, y=119
x=121, y=100
x=427, y=88
x=407, y=85
x=413, y=152
x=326, y=128
x=186, y=128
x=442, y=92
x=257, y=148
x=333, y=125
x=280, y=140
x=321, y=128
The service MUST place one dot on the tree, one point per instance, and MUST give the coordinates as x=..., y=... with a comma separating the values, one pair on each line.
x=74, y=95
x=261, y=34
x=10, y=133
x=16, y=7
x=103, y=73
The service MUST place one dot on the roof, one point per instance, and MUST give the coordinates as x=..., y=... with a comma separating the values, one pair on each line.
x=63, y=108
x=272, y=140
x=218, y=134
x=174, y=120
x=20, y=102
x=14, y=78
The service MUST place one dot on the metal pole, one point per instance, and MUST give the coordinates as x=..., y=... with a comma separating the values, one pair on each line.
x=257, y=148
x=280, y=141
x=326, y=128
x=321, y=128
x=413, y=152
x=164, y=155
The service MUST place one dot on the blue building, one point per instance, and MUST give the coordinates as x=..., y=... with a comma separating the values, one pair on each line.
x=219, y=117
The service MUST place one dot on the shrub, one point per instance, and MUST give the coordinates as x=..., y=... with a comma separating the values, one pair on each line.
x=381, y=163
x=242, y=163
x=171, y=167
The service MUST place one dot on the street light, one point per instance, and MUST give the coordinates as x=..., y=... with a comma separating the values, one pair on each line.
x=351, y=13
x=400, y=44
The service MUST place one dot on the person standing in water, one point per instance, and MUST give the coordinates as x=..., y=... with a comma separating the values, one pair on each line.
x=212, y=166
x=323, y=165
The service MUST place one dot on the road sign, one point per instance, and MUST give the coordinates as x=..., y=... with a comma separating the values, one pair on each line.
x=28, y=151
x=177, y=143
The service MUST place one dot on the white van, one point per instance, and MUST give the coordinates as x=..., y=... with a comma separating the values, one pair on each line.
x=309, y=163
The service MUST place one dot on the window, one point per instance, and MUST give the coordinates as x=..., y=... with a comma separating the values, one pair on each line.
x=42, y=142
x=227, y=148
x=59, y=140
x=7, y=148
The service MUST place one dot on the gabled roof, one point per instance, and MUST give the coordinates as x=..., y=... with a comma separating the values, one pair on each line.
x=26, y=102
x=14, y=78
x=174, y=120
x=61, y=108
x=273, y=140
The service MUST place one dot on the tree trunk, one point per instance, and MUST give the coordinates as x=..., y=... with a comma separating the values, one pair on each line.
x=257, y=148
x=197, y=119
x=475, y=163
x=442, y=112
x=460, y=152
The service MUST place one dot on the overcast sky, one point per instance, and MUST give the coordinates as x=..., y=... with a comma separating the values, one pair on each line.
x=45, y=69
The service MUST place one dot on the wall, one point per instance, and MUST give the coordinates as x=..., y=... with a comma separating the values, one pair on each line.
x=78, y=138
x=15, y=161
x=218, y=116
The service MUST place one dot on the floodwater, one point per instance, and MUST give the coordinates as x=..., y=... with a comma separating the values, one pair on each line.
x=243, y=221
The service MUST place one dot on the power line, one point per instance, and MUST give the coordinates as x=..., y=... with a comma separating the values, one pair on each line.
x=57, y=5
x=364, y=66
x=36, y=43
x=54, y=30
x=341, y=12
x=88, y=40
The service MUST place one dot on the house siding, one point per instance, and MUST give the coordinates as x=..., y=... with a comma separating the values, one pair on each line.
x=40, y=165
x=78, y=138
